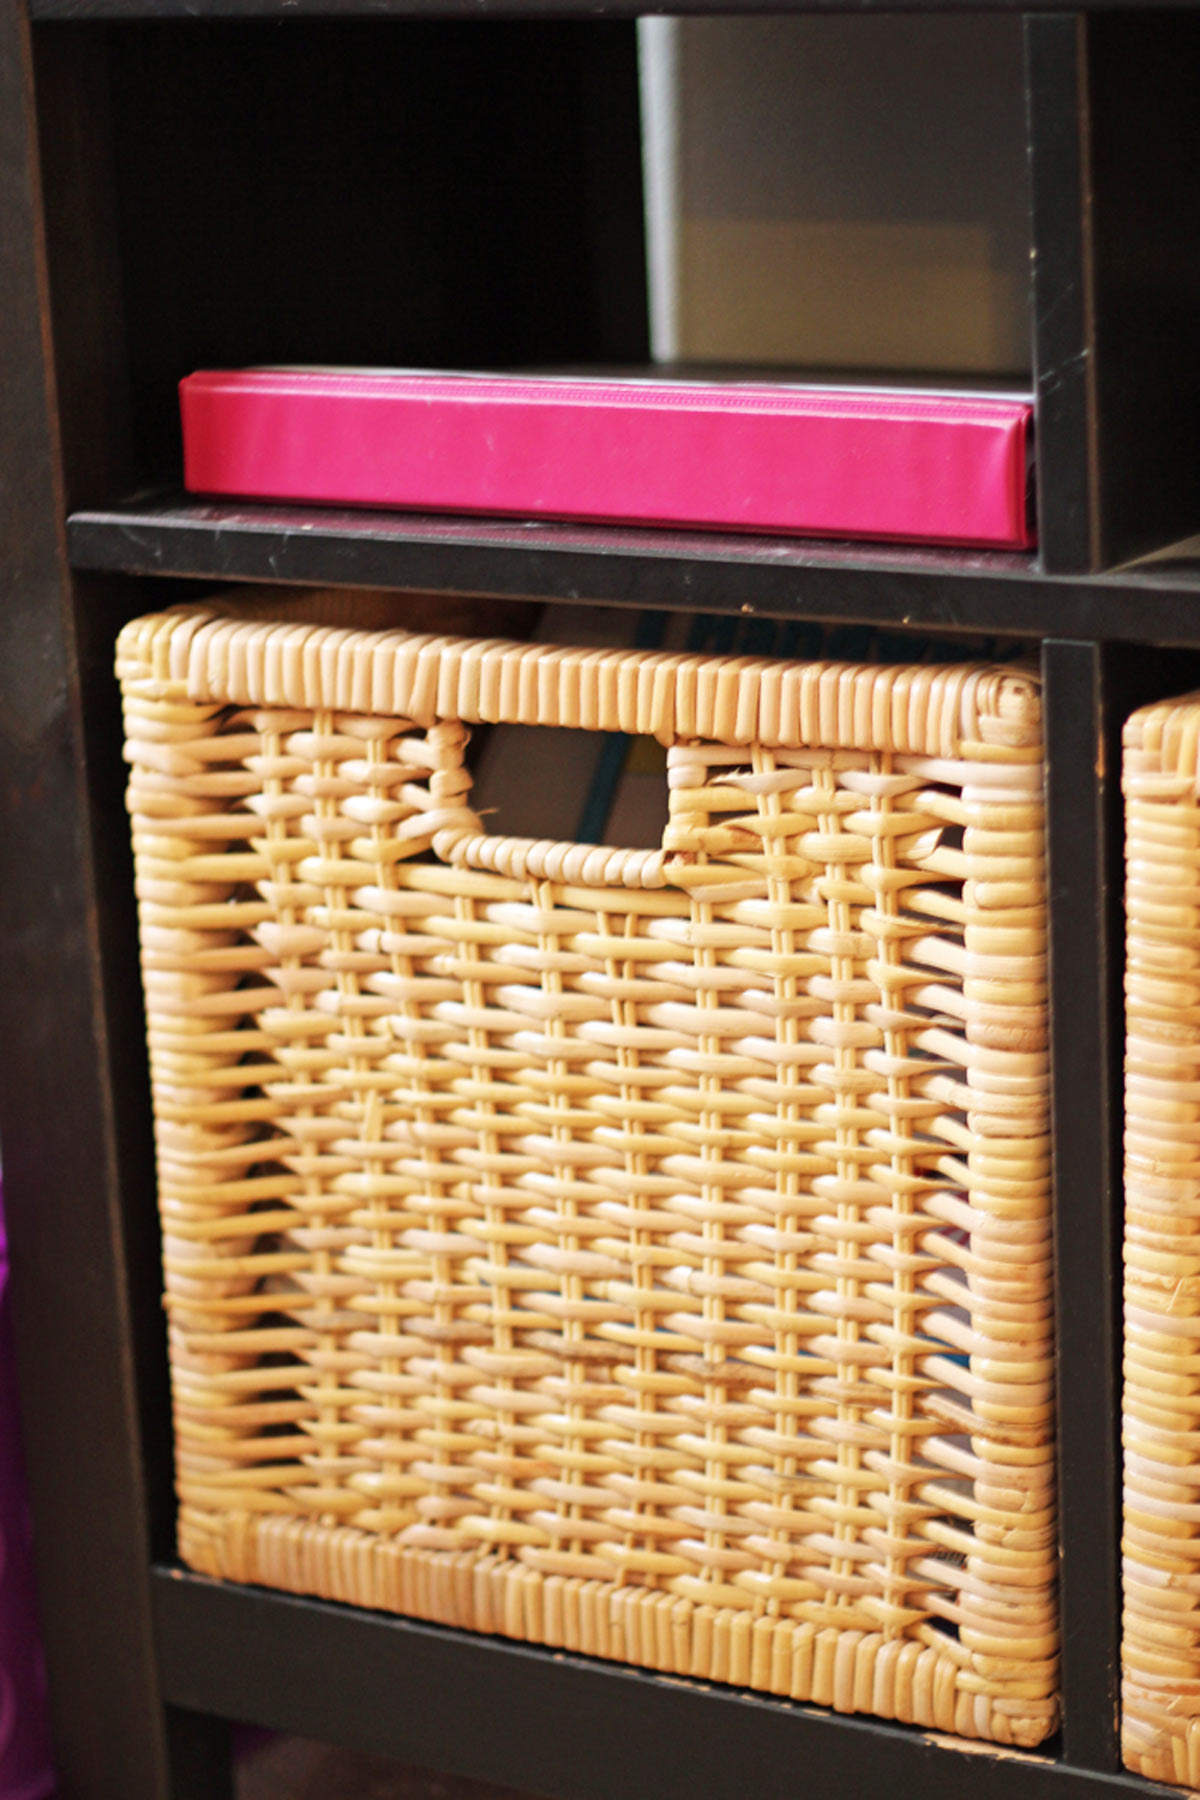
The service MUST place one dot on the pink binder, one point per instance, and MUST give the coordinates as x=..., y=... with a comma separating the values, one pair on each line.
x=948, y=468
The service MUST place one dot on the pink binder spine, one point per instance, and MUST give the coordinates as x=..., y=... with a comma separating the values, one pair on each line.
x=927, y=468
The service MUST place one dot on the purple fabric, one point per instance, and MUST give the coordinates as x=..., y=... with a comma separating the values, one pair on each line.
x=25, y=1769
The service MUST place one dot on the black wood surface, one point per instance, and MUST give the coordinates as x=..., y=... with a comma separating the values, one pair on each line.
x=1083, y=787
x=555, y=1724
x=1070, y=531
x=1114, y=134
x=1157, y=601
x=59, y=1167
x=286, y=9
x=83, y=273
x=80, y=1223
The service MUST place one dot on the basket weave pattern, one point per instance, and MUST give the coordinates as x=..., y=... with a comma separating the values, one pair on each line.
x=1161, y=1411
x=640, y=1252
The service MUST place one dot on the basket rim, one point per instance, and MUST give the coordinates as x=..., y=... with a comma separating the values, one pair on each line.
x=203, y=653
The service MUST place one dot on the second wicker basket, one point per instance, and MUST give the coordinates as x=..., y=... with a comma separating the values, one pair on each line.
x=645, y=1252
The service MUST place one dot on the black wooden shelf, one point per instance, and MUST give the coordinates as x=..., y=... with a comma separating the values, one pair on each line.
x=531, y=9
x=176, y=195
x=588, y=1730
x=76, y=10
x=171, y=534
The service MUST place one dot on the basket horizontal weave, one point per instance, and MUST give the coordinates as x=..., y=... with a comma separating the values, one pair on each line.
x=644, y=1252
x=1161, y=1410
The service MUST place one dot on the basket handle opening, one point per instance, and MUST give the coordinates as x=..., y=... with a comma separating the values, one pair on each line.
x=609, y=785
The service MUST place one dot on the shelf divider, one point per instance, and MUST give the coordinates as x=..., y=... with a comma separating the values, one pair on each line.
x=1114, y=144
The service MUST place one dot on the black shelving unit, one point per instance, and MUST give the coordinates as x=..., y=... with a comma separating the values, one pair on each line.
x=173, y=174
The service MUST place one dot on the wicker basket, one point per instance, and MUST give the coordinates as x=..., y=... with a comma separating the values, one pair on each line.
x=640, y=1252
x=1161, y=1413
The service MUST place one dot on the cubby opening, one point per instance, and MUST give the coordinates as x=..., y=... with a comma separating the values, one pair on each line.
x=838, y=193
x=840, y=196
x=384, y=192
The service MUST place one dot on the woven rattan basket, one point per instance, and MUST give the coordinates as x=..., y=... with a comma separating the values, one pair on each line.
x=1161, y=1422
x=641, y=1252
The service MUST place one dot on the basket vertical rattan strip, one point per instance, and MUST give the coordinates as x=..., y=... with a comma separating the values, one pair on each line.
x=1161, y=1408
x=641, y=1252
